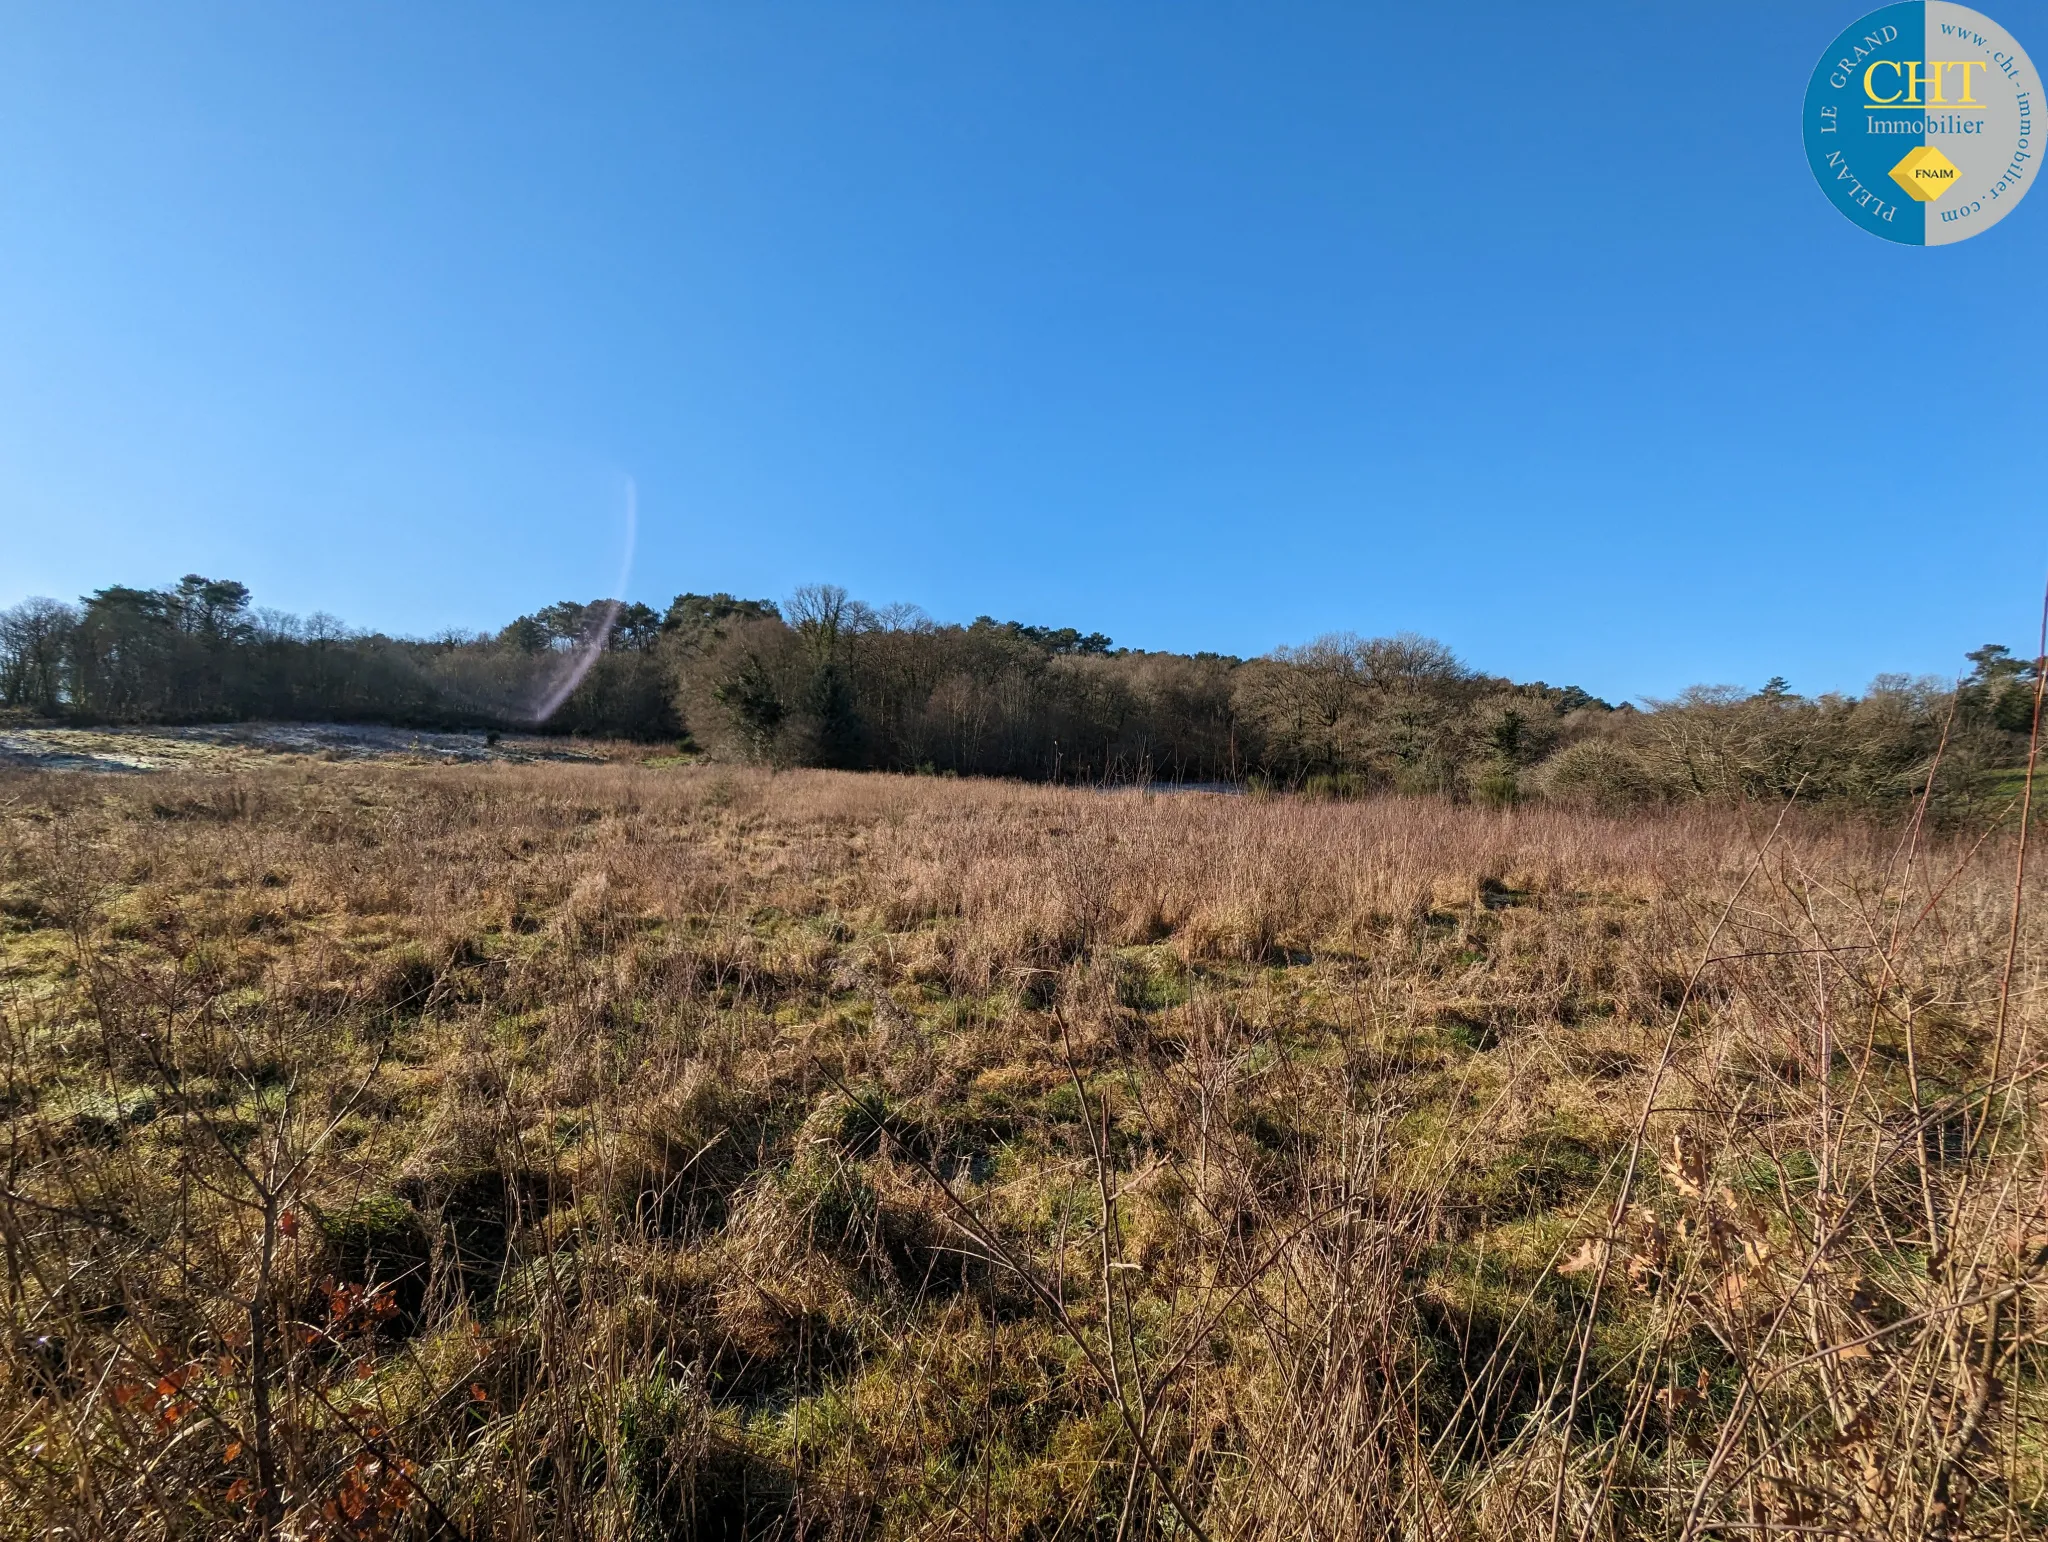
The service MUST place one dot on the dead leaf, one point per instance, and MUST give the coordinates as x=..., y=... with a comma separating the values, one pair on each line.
x=1686, y=1168
x=1592, y=1254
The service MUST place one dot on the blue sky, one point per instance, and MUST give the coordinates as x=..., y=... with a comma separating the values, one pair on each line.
x=1209, y=326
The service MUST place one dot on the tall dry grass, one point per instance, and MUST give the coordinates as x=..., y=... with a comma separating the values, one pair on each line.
x=611, y=1152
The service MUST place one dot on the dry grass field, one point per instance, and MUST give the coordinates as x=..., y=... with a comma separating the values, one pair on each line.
x=616, y=1152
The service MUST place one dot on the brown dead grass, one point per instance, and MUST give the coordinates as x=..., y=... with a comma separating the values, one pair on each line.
x=612, y=1151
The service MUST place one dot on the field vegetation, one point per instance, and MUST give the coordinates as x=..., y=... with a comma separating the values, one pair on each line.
x=627, y=1151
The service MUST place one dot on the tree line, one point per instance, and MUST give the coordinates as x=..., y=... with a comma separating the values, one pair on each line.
x=826, y=680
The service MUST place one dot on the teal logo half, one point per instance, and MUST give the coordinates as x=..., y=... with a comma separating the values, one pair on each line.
x=1921, y=123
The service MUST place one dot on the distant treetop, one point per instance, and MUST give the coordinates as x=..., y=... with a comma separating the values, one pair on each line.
x=1061, y=639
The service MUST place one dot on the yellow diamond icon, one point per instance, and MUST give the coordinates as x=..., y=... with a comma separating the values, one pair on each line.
x=1925, y=173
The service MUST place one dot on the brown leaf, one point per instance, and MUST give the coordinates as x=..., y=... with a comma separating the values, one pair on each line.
x=1686, y=1168
x=1591, y=1254
x=1788, y=1501
x=1671, y=1399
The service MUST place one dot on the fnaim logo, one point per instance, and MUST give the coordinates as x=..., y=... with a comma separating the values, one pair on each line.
x=1920, y=123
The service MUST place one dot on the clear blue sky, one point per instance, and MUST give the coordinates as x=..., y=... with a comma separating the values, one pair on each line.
x=1209, y=326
